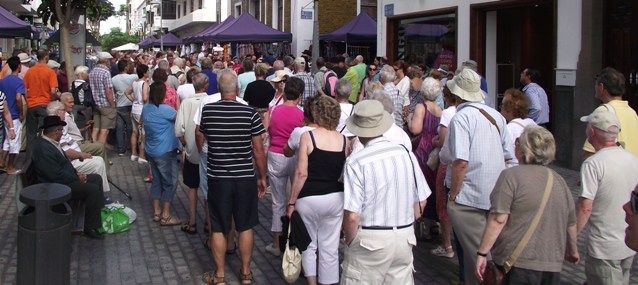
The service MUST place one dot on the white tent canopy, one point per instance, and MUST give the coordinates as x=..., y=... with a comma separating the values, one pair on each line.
x=129, y=46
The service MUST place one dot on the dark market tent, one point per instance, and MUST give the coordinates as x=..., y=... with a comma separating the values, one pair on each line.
x=169, y=39
x=247, y=29
x=11, y=26
x=361, y=29
x=55, y=38
x=203, y=35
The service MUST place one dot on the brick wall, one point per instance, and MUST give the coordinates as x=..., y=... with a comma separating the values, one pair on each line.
x=335, y=13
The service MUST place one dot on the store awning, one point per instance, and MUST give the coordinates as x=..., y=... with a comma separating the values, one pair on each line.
x=203, y=36
x=169, y=39
x=125, y=47
x=360, y=29
x=12, y=27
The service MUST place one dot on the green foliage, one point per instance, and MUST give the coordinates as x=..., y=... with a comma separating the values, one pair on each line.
x=101, y=11
x=123, y=10
x=72, y=9
x=117, y=38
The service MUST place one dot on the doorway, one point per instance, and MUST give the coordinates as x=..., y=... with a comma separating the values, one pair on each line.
x=620, y=43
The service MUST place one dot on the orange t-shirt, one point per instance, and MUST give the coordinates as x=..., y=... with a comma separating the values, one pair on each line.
x=39, y=81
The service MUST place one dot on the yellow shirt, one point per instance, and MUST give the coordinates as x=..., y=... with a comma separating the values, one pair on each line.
x=628, y=119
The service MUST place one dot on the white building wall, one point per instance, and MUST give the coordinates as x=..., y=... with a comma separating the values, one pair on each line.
x=301, y=29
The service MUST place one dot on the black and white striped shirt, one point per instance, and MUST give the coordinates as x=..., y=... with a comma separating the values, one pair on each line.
x=228, y=127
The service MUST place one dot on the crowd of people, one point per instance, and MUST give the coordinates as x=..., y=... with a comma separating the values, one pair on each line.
x=360, y=151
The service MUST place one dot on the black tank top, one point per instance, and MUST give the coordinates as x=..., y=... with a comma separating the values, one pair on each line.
x=324, y=171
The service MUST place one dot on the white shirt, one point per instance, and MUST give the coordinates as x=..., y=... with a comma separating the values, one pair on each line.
x=346, y=111
x=608, y=178
x=404, y=90
x=295, y=136
x=185, y=91
x=394, y=134
x=516, y=128
x=207, y=100
x=379, y=184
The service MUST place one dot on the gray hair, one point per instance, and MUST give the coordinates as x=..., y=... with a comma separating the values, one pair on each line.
x=200, y=82
x=65, y=95
x=163, y=64
x=343, y=89
x=387, y=74
x=53, y=107
x=227, y=81
x=81, y=70
x=179, y=62
x=373, y=86
x=537, y=145
x=278, y=65
x=382, y=96
x=430, y=89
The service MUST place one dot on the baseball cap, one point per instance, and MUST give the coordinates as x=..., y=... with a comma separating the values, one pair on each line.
x=104, y=55
x=53, y=64
x=604, y=120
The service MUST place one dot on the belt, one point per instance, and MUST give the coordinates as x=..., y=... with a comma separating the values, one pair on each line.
x=386, y=228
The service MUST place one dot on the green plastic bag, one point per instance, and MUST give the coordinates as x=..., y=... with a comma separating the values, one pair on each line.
x=114, y=220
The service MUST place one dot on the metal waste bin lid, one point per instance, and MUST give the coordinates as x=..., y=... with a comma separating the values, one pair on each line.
x=50, y=193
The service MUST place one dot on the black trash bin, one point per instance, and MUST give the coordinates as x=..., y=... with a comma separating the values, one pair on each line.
x=44, y=235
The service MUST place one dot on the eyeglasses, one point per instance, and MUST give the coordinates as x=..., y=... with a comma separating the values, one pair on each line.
x=373, y=69
x=633, y=202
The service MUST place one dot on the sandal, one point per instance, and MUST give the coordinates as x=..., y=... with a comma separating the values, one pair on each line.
x=157, y=217
x=210, y=278
x=246, y=278
x=189, y=228
x=170, y=221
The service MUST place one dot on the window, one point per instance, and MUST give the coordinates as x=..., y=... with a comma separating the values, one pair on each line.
x=184, y=7
x=169, y=10
x=201, y=4
x=192, y=5
x=428, y=40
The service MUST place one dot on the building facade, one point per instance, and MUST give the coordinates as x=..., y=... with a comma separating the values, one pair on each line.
x=567, y=41
x=25, y=10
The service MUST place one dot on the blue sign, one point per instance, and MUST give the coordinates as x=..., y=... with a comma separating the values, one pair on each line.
x=306, y=15
x=389, y=10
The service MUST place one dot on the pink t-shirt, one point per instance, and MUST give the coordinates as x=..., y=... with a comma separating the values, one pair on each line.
x=283, y=119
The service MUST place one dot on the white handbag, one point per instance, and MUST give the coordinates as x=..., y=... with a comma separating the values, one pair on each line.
x=291, y=262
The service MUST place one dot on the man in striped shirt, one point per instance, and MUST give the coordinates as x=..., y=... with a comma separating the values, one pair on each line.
x=233, y=133
x=382, y=188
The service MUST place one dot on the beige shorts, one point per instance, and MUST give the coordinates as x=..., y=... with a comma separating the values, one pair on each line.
x=104, y=118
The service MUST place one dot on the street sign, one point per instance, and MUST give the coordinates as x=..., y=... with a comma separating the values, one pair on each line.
x=306, y=15
x=389, y=10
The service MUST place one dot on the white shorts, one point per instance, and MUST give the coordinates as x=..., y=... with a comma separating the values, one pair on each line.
x=13, y=146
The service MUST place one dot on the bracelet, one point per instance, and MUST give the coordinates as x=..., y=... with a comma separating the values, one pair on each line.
x=481, y=254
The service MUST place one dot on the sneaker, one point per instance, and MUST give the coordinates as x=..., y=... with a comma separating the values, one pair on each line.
x=440, y=251
x=121, y=153
x=272, y=250
x=142, y=161
x=134, y=157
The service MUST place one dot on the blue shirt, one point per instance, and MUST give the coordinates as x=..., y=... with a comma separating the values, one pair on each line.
x=538, y=103
x=243, y=80
x=159, y=125
x=10, y=86
x=212, y=81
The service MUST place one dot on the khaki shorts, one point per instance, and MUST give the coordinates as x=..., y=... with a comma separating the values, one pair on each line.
x=104, y=118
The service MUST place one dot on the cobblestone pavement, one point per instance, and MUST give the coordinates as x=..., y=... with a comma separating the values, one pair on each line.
x=150, y=254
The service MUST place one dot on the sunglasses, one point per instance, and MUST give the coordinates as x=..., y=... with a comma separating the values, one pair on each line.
x=633, y=202
x=373, y=69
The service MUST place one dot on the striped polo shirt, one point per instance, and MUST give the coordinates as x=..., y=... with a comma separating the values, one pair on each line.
x=228, y=127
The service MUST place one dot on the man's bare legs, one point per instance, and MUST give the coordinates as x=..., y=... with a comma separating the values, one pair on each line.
x=219, y=247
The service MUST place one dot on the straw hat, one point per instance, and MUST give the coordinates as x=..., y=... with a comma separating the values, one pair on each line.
x=369, y=119
x=467, y=85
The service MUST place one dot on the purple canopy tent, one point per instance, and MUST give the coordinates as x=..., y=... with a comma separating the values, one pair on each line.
x=169, y=39
x=361, y=29
x=425, y=30
x=204, y=35
x=12, y=26
x=247, y=29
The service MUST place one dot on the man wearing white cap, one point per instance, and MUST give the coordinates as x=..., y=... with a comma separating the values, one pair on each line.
x=608, y=178
x=102, y=89
x=310, y=88
x=379, y=203
x=476, y=150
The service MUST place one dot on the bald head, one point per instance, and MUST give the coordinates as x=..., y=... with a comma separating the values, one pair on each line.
x=227, y=82
x=278, y=65
x=359, y=59
x=200, y=82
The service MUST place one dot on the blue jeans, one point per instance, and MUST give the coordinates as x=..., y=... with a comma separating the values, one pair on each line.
x=164, y=170
x=123, y=128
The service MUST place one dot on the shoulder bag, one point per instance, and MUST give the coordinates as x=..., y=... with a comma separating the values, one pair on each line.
x=495, y=274
x=421, y=227
x=291, y=262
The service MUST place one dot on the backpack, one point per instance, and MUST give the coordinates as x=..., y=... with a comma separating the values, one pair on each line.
x=88, y=95
x=331, y=80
